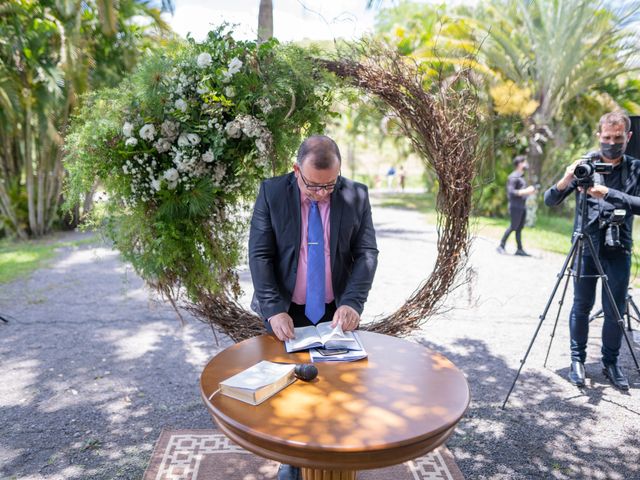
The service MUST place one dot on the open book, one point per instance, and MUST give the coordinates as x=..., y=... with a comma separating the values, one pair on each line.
x=341, y=355
x=258, y=382
x=321, y=335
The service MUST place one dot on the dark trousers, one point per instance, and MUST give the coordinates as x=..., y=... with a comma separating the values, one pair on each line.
x=617, y=267
x=518, y=217
x=300, y=319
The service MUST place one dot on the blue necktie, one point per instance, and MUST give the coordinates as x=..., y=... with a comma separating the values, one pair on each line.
x=314, y=305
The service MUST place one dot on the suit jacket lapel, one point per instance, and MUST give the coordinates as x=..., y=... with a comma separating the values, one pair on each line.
x=293, y=201
x=335, y=216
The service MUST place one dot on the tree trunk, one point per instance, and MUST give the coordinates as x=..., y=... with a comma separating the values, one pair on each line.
x=41, y=170
x=7, y=210
x=265, y=21
x=55, y=186
x=28, y=160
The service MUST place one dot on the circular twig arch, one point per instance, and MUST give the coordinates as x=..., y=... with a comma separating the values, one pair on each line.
x=440, y=117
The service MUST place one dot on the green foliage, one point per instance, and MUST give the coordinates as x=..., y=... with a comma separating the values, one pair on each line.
x=51, y=53
x=181, y=146
x=549, y=70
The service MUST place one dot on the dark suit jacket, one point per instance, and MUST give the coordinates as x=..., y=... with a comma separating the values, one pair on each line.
x=274, y=244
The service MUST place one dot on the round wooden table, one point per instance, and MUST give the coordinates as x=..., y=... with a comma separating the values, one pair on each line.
x=401, y=402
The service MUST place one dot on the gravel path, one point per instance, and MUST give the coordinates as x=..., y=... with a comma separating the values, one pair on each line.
x=92, y=367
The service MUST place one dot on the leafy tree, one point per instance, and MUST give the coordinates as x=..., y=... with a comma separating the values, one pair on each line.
x=51, y=53
x=546, y=54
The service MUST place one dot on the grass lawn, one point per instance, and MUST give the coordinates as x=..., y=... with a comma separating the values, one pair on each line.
x=551, y=233
x=18, y=259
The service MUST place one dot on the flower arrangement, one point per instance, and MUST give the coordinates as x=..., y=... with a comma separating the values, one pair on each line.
x=180, y=147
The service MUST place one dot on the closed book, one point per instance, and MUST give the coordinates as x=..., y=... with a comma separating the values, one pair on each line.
x=258, y=382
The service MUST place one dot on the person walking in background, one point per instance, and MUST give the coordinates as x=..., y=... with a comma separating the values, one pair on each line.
x=517, y=193
x=391, y=173
x=402, y=176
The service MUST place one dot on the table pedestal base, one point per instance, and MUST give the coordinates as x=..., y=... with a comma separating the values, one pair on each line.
x=314, y=474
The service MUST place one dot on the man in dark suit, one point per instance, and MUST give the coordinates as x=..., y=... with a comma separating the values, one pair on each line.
x=312, y=246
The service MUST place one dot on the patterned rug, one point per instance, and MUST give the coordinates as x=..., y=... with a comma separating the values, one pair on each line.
x=209, y=455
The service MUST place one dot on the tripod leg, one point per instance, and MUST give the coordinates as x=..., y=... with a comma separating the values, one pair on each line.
x=570, y=256
x=595, y=315
x=607, y=289
x=635, y=309
x=555, y=325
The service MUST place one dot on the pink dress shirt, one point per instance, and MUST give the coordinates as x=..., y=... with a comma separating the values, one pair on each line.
x=300, y=290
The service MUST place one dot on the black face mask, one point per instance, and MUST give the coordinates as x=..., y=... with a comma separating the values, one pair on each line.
x=612, y=151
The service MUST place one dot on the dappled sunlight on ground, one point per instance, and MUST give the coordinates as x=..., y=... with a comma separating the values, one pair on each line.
x=81, y=256
x=17, y=384
x=131, y=345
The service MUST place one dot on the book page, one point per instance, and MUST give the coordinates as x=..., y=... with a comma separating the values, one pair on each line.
x=357, y=352
x=305, y=337
x=335, y=337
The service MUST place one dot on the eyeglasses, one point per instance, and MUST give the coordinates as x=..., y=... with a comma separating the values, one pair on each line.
x=329, y=187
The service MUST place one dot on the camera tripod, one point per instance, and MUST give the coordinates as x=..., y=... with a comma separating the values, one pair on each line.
x=630, y=307
x=574, y=258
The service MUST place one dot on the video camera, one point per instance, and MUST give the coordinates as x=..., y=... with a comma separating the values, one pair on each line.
x=588, y=166
x=612, y=224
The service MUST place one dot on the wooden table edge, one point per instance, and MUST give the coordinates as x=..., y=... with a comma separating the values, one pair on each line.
x=330, y=458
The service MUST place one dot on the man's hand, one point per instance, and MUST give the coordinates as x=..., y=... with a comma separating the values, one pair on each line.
x=525, y=192
x=282, y=326
x=568, y=176
x=346, y=317
x=598, y=191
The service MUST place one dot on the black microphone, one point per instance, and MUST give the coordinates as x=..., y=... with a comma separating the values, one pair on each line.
x=306, y=371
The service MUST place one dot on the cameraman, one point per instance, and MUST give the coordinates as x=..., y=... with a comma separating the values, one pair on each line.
x=619, y=189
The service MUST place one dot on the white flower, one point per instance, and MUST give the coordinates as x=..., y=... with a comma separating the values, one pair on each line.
x=155, y=184
x=170, y=130
x=207, y=156
x=201, y=89
x=234, y=66
x=181, y=105
x=162, y=145
x=183, y=141
x=171, y=176
x=230, y=92
x=131, y=142
x=264, y=105
x=261, y=145
x=204, y=60
x=127, y=129
x=125, y=169
x=194, y=138
x=147, y=132
x=233, y=129
x=218, y=173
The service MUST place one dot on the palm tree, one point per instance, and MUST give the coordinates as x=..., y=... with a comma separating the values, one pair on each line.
x=557, y=51
x=50, y=55
x=265, y=21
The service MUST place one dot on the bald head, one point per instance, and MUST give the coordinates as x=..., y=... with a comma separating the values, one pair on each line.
x=320, y=151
